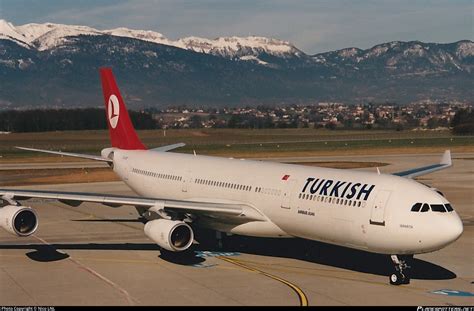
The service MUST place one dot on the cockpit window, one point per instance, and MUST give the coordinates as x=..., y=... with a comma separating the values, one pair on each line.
x=416, y=207
x=449, y=207
x=438, y=208
x=425, y=207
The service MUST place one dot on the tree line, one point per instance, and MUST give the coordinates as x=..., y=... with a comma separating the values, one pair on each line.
x=44, y=120
x=463, y=122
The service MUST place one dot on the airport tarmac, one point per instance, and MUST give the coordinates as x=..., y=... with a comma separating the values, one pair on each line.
x=97, y=255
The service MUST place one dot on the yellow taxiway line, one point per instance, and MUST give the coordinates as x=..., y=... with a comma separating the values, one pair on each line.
x=301, y=295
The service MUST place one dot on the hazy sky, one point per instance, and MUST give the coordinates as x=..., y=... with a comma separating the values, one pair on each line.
x=313, y=26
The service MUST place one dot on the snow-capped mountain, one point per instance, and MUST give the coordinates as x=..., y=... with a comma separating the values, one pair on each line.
x=9, y=32
x=415, y=57
x=58, y=64
x=238, y=47
x=50, y=36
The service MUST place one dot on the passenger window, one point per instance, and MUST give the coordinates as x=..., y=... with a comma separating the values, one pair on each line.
x=438, y=208
x=416, y=207
x=425, y=208
x=449, y=207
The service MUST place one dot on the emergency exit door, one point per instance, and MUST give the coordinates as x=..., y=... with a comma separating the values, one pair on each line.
x=288, y=192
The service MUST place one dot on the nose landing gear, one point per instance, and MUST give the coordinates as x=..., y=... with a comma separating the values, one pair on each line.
x=402, y=268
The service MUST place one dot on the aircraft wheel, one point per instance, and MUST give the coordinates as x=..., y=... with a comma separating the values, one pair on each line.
x=396, y=278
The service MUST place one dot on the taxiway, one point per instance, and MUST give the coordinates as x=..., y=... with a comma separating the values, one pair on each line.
x=97, y=255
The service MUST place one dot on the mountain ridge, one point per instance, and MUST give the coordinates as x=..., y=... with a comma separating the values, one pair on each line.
x=53, y=58
x=49, y=36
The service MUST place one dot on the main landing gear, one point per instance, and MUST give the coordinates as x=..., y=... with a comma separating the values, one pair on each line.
x=402, y=269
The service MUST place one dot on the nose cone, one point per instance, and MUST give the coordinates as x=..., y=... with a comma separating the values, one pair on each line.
x=442, y=230
x=454, y=229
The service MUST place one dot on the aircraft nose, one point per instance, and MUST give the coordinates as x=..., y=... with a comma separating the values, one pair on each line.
x=454, y=229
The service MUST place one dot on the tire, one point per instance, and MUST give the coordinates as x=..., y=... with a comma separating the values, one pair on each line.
x=396, y=279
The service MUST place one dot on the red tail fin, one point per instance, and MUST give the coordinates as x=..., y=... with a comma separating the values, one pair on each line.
x=122, y=133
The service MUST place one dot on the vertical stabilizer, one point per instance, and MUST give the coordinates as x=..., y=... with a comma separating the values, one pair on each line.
x=122, y=132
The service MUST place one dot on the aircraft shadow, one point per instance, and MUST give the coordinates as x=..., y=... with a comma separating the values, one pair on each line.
x=310, y=251
x=333, y=255
x=48, y=253
x=138, y=220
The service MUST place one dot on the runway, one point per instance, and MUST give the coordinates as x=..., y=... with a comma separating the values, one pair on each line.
x=97, y=255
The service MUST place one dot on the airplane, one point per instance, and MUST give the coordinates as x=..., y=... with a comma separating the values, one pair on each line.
x=388, y=214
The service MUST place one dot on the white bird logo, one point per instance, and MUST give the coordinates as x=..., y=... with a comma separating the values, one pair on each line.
x=113, y=110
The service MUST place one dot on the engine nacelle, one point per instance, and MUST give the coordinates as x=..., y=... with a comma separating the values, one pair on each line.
x=172, y=235
x=19, y=220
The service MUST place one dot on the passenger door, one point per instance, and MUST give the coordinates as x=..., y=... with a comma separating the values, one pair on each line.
x=377, y=216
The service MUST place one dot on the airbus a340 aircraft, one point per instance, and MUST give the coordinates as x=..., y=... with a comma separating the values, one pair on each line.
x=380, y=213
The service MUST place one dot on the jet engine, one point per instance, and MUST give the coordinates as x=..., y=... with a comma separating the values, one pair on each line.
x=172, y=235
x=19, y=220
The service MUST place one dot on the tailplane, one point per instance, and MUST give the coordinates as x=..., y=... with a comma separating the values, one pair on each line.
x=122, y=132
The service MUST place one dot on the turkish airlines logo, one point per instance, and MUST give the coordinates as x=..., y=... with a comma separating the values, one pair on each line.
x=113, y=110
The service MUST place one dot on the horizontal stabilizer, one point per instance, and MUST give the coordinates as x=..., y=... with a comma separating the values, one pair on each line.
x=68, y=154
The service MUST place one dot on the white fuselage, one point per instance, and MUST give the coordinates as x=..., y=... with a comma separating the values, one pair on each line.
x=356, y=209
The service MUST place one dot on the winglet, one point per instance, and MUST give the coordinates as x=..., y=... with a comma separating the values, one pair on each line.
x=446, y=158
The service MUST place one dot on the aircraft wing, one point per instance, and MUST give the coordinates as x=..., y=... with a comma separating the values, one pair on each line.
x=415, y=172
x=234, y=210
x=168, y=147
